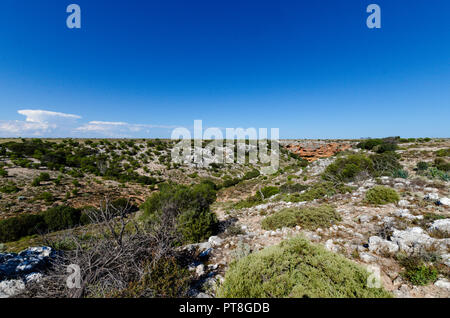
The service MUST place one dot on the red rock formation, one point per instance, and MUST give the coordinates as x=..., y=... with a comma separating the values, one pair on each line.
x=312, y=151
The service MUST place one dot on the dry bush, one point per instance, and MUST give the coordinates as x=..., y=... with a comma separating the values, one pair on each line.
x=114, y=254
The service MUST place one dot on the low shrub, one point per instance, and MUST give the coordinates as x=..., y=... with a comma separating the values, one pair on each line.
x=3, y=173
x=12, y=229
x=346, y=169
x=297, y=269
x=189, y=205
x=422, y=166
x=381, y=195
x=9, y=188
x=61, y=217
x=443, y=152
x=318, y=191
x=308, y=218
x=417, y=271
x=293, y=188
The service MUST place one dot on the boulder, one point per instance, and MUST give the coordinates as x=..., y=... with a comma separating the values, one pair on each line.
x=443, y=283
x=442, y=226
x=10, y=288
x=415, y=239
x=379, y=245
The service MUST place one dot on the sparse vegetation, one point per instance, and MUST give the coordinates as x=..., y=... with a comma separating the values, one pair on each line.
x=381, y=195
x=309, y=218
x=296, y=268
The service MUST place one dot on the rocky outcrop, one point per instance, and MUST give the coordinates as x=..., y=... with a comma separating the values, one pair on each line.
x=312, y=151
x=16, y=270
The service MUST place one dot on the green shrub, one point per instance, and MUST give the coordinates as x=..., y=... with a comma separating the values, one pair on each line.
x=190, y=204
x=36, y=182
x=196, y=226
x=442, y=164
x=422, y=166
x=44, y=176
x=308, y=218
x=381, y=195
x=400, y=173
x=14, y=228
x=318, y=191
x=417, y=272
x=443, y=152
x=293, y=188
x=46, y=196
x=385, y=164
x=61, y=217
x=3, y=173
x=297, y=269
x=165, y=279
x=9, y=188
x=251, y=174
x=268, y=192
x=346, y=169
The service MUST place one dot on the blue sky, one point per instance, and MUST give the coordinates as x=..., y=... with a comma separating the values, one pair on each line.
x=140, y=68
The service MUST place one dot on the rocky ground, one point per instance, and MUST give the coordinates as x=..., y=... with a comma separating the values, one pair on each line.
x=371, y=235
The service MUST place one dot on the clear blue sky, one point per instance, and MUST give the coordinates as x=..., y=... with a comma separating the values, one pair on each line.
x=139, y=68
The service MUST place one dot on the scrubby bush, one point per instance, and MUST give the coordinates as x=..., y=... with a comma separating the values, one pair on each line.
x=400, y=173
x=442, y=164
x=380, y=145
x=196, y=226
x=308, y=218
x=346, y=169
x=293, y=187
x=267, y=192
x=12, y=229
x=443, y=152
x=36, y=182
x=318, y=191
x=422, y=166
x=44, y=176
x=251, y=174
x=381, y=195
x=297, y=269
x=61, y=217
x=3, y=173
x=189, y=205
x=9, y=188
x=417, y=271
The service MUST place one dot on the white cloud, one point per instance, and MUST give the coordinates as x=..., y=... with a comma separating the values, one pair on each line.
x=44, y=123
x=38, y=123
x=42, y=116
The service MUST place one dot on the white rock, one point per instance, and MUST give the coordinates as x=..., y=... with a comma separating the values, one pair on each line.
x=367, y=258
x=432, y=197
x=200, y=270
x=445, y=201
x=379, y=245
x=415, y=240
x=442, y=226
x=446, y=259
x=215, y=240
x=10, y=288
x=404, y=213
x=329, y=245
x=364, y=218
x=403, y=203
x=443, y=283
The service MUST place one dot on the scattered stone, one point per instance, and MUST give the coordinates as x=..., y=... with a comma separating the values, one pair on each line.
x=403, y=203
x=10, y=288
x=367, y=258
x=443, y=283
x=443, y=226
x=215, y=241
x=380, y=246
